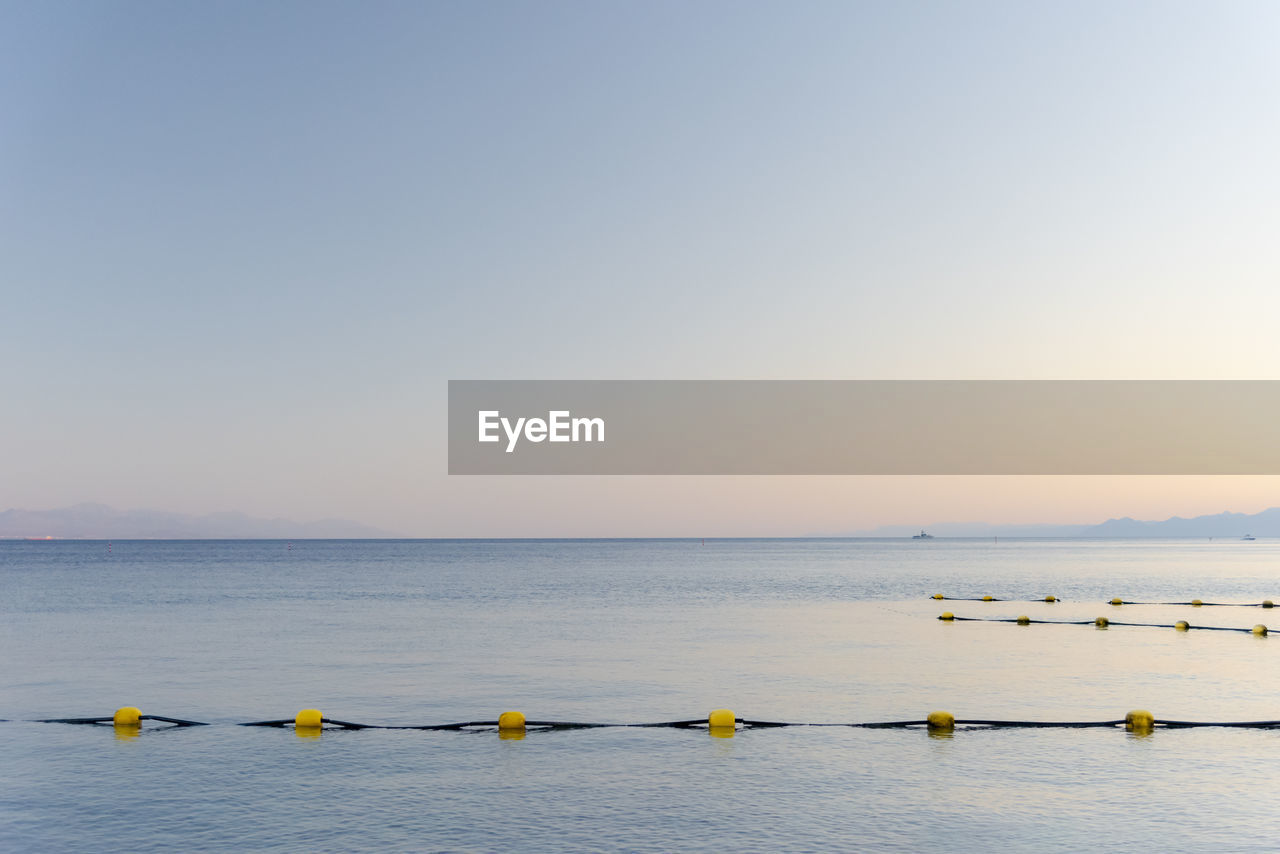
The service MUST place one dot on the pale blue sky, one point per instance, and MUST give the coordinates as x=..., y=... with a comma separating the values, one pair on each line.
x=243, y=246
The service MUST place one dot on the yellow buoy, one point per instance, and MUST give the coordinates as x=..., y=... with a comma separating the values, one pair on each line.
x=510, y=721
x=308, y=723
x=1267, y=603
x=308, y=718
x=1182, y=625
x=1024, y=620
x=722, y=718
x=1196, y=603
x=1051, y=598
x=1139, y=719
x=988, y=598
x=939, y=596
x=1102, y=622
x=941, y=721
x=1117, y=601
x=947, y=615
x=127, y=716
x=1260, y=630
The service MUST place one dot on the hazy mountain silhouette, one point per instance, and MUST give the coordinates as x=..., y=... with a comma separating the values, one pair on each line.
x=1263, y=524
x=1226, y=525
x=100, y=522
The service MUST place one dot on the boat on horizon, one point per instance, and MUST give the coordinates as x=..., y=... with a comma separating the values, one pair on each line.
x=922, y=535
x=1248, y=537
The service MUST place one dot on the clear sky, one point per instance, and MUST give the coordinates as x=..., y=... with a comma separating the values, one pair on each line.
x=243, y=246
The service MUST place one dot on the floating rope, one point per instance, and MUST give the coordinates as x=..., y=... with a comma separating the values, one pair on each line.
x=939, y=596
x=1194, y=603
x=1102, y=623
x=113, y=720
x=719, y=722
x=476, y=724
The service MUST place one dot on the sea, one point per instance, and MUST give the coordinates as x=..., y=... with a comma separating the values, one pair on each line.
x=821, y=632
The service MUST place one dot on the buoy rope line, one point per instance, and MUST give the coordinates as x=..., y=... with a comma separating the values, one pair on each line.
x=940, y=597
x=121, y=720
x=1102, y=623
x=719, y=722
x=1194, y=603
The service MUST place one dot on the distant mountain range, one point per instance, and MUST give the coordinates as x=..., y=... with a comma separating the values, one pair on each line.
x=100, y=522
x=1226, y=525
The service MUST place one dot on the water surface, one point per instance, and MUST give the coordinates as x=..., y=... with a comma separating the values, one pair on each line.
x=820, y=631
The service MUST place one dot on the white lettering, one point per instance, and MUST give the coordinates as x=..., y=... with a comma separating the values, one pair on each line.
x=486, y=425
x=512, y=435
x=558, y=426
x=587, y=424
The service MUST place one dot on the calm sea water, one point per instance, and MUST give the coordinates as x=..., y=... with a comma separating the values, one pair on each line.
x=821, y=631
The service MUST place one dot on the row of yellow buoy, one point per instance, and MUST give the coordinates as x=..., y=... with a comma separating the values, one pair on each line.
x=1194, y=603
x=1102, y=622
x=511, y=724
x=721, y=723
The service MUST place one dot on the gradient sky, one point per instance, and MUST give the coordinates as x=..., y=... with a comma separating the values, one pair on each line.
x=243, y=246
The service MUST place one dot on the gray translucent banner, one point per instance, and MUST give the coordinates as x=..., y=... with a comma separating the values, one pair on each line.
x=863, y=427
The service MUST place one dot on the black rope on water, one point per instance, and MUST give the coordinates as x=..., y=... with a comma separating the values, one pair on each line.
x=699, y=723
x=1195, y=603
x=1239, y=724
x=284, y=722
x=1023, y=622
x=463, y=725
x=75, y=720
x=348, y=724
x=1109, y=623
x=174, y=721
x=1013, y=620
x=109, y=719
x=1033, y=724
x=541, y=725
x=1203, y=604
x=1046, y=601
